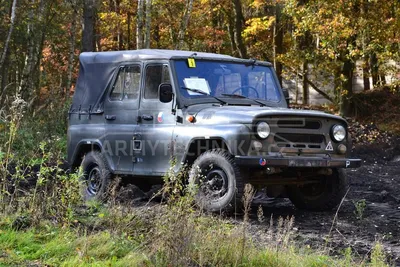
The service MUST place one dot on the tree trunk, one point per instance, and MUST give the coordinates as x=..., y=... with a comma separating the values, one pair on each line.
x=39, y=49
x=88, y=32
x=231, y=32
x=184, y=24
x=156, y=35
x=230, y=27
x=148, y=24
x=72, y=39
x=305, y=86
x=347, y=88
x=139, y=25
x=366, y=67
x=128, y=33
x=239, y=19
x=374, y=70
x=215, y=25
x=365, y=41
x=382, y=79
x=6, y=44
x=119, y=38
x=278, y=41
x=120, y=28
x=4, y=77
x=32, y=59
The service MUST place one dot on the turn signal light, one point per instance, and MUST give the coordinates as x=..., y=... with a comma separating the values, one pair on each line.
x=190, y=118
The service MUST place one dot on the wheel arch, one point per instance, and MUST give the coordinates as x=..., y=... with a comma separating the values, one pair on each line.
x=84, y=147
x=198, y=146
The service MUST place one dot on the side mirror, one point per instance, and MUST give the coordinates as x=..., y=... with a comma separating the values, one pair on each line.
x=165, y=93
x=286, y=95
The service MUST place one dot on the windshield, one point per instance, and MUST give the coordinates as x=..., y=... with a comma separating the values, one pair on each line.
x=207, y=80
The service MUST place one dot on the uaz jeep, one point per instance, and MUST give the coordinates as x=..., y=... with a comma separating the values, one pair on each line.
x=224, y=117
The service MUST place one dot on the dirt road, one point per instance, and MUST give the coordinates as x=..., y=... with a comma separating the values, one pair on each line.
x=376, y=183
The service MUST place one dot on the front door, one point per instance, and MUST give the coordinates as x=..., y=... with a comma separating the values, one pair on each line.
x=121, y=114
x=156, y=123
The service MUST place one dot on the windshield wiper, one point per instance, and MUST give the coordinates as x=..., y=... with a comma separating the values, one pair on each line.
x=203, y=93
x=245, y=97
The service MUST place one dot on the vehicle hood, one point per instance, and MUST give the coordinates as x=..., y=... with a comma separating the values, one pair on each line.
x=247, y=114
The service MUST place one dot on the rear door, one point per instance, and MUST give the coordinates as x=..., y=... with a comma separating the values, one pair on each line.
x=121, y=114
x=156, y=123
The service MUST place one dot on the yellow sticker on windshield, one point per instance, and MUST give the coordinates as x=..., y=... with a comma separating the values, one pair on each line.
x=191, y=63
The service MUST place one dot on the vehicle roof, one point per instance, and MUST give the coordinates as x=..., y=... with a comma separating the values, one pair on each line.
x=97, y=69
x=148, y=54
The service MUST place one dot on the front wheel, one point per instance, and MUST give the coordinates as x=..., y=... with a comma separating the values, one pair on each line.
x=217, y=180
x=323, y=195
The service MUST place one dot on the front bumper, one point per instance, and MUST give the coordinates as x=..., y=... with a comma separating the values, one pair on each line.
x=303, y=162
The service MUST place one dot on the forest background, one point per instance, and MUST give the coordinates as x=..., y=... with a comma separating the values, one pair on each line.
x=41, y=41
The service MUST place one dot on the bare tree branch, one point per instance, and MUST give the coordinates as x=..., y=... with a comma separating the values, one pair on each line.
x=315, y=87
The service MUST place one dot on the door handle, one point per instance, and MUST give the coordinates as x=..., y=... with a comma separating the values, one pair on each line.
x=137, y=142
x=110, y=117
x=147, y=117
x=137, y=136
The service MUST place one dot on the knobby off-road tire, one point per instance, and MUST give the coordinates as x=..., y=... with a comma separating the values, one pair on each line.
x=322, y=196
x=96, y=176
x=217, y=181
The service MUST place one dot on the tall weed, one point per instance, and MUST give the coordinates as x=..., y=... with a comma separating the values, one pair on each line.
x=33, y=185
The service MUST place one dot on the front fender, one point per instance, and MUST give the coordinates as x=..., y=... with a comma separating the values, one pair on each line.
x=236, y=138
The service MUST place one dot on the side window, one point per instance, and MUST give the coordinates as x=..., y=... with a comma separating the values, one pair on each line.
x=127, y=84
x=155, y=75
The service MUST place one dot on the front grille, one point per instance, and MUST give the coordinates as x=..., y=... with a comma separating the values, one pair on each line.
x=298, y=138
x=299, y=123
x=296, y=133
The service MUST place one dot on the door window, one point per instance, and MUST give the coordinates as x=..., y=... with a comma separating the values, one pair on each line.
x=155, y=75
x=127, y=84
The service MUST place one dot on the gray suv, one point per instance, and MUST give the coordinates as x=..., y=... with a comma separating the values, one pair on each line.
x=225, y=118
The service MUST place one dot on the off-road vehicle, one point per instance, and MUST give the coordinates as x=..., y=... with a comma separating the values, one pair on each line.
x=225, y=118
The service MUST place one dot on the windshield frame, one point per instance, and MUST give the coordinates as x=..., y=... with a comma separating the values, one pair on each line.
x=183, y=101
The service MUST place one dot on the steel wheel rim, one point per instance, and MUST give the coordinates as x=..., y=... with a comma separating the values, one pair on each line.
x=214, y=185
x=94, y=181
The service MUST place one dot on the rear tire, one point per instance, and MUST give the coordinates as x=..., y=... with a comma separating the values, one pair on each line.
x=217, y=180
x=322, y=196
x=96, y=176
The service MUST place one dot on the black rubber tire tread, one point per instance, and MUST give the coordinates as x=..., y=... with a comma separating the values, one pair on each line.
x=95, y=157
x=334, y=192
x=227, y=162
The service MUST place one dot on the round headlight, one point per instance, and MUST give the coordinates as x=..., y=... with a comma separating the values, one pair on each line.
x=263, y=130
x=338, y=133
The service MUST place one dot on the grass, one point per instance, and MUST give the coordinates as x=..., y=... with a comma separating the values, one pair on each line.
x=66, y=247
x=56, y=246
